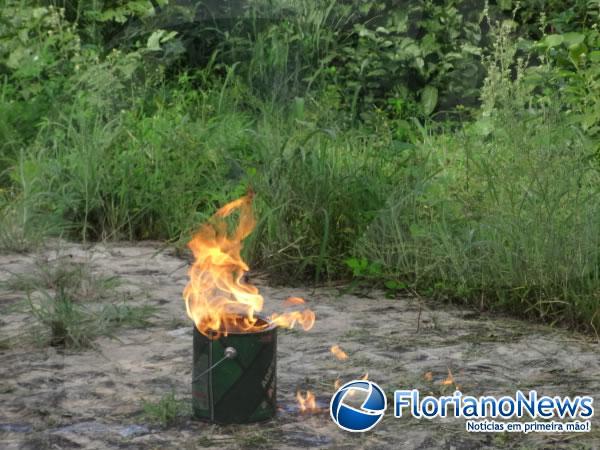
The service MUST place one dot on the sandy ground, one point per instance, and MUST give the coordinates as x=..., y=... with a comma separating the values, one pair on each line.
x=55, y=399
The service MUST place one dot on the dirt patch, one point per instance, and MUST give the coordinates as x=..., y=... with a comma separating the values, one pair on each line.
x=93, y=398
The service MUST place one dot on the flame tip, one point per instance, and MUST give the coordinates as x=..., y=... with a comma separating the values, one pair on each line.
x=218, y=298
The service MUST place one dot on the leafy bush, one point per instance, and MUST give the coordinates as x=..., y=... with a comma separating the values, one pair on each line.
x=505, y=212
x=317, y=191
x=418, y=58
x=570, y=69
x=138, y=176
x=37, y=47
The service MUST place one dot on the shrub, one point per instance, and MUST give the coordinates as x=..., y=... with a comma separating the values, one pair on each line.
x=505, y=213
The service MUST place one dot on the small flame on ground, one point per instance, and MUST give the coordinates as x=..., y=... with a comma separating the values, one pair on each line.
x=338, y=383
x=339, y=353
x=449, y=380
x=217, y=297
x=307, y=402
x=292, y=301
x=428, y=376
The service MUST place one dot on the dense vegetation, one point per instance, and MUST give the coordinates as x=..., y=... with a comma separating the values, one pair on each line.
x=444, y=146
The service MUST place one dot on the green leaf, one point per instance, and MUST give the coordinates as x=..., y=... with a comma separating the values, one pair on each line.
x=40, y=12
x=16, y=56
x=154, y=40
x=429, y=98
x=594, y=56
x=553, y=40
x=298, y=108
x=374, y=269
x=159, y=37
x=353, y=264
x=577, y=52
x=573, y=39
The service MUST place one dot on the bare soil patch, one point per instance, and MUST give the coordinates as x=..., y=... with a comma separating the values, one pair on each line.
x=93, y=398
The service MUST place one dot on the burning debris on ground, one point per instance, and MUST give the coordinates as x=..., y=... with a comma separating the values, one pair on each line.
x=339, y=353
x=306, y=402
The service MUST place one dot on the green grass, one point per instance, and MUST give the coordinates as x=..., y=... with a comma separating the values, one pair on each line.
x=318, y=189
x=166, y=411
x=13, y=234
x=500, y=212
x=71, y=306
x=64, y=322
x=77, y=278
x=23, y=225
x=503, y=210
x=151, y=175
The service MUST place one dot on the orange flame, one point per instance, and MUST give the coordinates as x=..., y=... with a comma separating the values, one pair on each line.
x=217, y=298
x=294, y=301
x=338, y=383
x=339, y=353
x=306, y=403
x=449, y=380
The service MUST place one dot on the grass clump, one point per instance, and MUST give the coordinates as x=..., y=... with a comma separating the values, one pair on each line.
x=66, y=323
x=318, y=189
x=22, y=226
x=76, y=278
x=166, y=411
x=65, y=301
x=13, y=237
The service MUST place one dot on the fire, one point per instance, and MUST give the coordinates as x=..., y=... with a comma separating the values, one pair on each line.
x=449, y=380
x=306, y=403
x=339, y=353
x=217, y=298
x=337, y=384
x=294, y=301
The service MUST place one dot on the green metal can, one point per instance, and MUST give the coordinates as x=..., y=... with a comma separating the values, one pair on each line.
x=234, y=377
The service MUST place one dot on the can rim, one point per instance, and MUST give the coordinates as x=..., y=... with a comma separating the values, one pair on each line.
x=260, y=318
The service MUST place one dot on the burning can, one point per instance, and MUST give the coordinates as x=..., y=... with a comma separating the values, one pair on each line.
x=234, y=376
